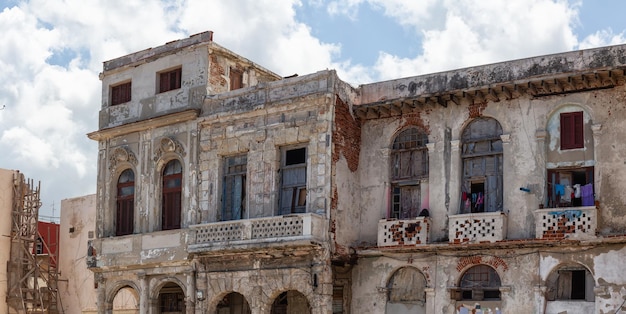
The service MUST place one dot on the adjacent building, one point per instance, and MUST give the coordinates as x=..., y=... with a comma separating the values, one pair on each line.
x=225, y=188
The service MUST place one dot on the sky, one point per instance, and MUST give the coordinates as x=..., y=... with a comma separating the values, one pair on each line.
x=51, y=52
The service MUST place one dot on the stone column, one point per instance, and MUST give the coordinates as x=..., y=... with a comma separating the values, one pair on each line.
x=456, y=176
x=540, y=298
x=507, y=176
x=597, y=131
x=430, y=300
x=504, y=296
x=103, y=306
x=540, y=136
x=144, y=293
x=190, y=298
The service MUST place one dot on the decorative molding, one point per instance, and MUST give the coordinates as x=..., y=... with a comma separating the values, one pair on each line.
x=168, y=145
x=121, y=154
x=506, y=138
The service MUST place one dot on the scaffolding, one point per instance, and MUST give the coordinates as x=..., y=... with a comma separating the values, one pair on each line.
x=32, y=277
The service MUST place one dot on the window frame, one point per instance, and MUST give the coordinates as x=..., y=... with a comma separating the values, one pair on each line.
x=121, y=93
x=236, y=78
x=407, y=172
x=235, y=174
x=468, y=293
x=572, y=130
x=170, y=79
x=171, y=197
x=298, y=189
x=125, y=204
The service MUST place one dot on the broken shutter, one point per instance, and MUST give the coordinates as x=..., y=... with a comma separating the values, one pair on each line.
x=171, y=198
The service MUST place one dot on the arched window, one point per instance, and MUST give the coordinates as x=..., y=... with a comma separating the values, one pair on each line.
x=480, y=282
x=125, y=217
x=482, y=166
x=291, y=302
x=171, y=299
x=409, y=165
x=406, y=292
x=570, y=282
x=172, y=188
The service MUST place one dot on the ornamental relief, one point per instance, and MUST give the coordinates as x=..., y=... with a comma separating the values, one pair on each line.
x=168, y=145
x=121, y=154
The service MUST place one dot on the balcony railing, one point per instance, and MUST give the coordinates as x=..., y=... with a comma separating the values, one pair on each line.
x=477, y=227
x=392, y=232
x=218, y=235
x=570, y=222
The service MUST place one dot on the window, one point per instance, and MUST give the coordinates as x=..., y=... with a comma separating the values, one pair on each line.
x=234, y=197
x=570, y=187
x=124, y=218
x=39, y=246
x=120, y=93
x=409, y=164
x=169, y=80
x=172, y=187
x=572, y=130
x=480, y=282
x=236, y=79
x=171, y=299
x=570, y=283
x=293, y=184
x=482, y=166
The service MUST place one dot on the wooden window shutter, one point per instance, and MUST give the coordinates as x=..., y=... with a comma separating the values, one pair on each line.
x=572, y=130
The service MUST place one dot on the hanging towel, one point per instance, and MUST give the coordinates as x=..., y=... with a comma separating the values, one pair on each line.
x=576, y=190
x=569, y=192
x=559, y=189
x=586, y=192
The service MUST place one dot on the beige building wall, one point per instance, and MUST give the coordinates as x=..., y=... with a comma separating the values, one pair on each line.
x=6, y=203
x=76, y=283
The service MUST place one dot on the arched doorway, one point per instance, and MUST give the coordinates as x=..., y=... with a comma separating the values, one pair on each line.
x=291, y=302
x=171, y=299
x=405, y=292
x=126, y=301
x=233, y=303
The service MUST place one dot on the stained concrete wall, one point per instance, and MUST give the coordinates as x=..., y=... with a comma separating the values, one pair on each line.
x=77, y=289
x=6, y=207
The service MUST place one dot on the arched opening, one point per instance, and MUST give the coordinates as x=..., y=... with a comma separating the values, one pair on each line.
x=125, y=203
x=172, y=195
x=291, y=302
x=171, y=299
x=482, y=166
x=409, y=167
x=479, y=285
x=570, y=287
x=126, y=301
x=405, y=292
x=233, y=303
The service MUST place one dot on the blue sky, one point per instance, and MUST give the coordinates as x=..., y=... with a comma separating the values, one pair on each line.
x=52, y=52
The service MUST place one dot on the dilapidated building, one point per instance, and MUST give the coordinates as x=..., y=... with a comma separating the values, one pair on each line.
x=225, y=188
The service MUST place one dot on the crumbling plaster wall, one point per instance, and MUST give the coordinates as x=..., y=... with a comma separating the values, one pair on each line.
x=146, y=102
x=609, y=282
x=259, y=122
x=527, y=137
x=517, y=270
x=146, y=153
x=77, y=289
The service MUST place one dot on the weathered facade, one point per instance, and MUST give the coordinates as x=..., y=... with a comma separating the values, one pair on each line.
x=224, y=188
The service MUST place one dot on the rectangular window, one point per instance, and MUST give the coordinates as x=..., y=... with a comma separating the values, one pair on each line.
x=571, y=187
x=572, y=130
x=234, y=197
x=236, y=79
x=293, y=184
x=120, y=93
x=405, y=201
x=170, y=80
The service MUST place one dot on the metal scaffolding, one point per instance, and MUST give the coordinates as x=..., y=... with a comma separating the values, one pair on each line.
x=32, y=277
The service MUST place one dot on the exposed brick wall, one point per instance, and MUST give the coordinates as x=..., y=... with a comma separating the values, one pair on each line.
x=216, y=73
x=493, y=261
x=476, y=109
x=346, y=136
x=415, y=119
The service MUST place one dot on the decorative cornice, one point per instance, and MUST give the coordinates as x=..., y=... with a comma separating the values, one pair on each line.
x=152, y=123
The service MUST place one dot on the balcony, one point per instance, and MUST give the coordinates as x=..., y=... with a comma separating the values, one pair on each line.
x=566, y=223
x=297, y=229
x=477, y=227
x=392, y=232
x=139, y=249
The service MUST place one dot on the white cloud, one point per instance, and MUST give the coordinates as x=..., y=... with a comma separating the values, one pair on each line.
x=602, y=38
